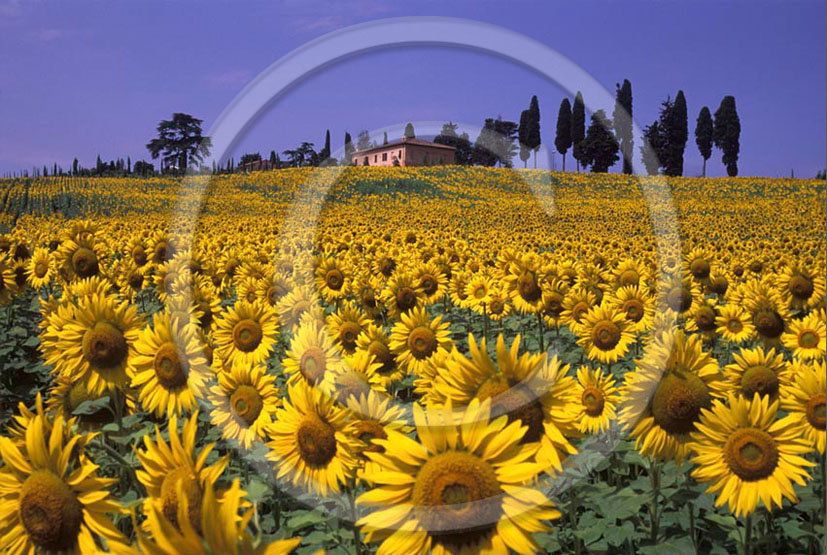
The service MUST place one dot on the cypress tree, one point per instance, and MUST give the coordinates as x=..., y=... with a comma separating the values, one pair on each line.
x=523, y=133
x=532, y=138
x=409, y=131
x=563, y=139
x=677, y=133
x=578, y=128
x=622, y=118
x=726, y=134
x=348, y=149
x=703, y=135
x=600, y=147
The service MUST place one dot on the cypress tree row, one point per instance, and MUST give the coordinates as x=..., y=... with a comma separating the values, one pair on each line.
x=727, y=133
x=622, y=118
x=703, y=135
x=578, y=128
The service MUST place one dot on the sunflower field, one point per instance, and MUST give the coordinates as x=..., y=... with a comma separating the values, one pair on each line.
x=412, y=360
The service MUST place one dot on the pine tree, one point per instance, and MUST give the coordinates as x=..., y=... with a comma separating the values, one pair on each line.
x=563, y=139
x=578, y=128
x=726, y=134
x=349, y=150
x=600, y=147
x=622, y=118
x=703, y=135
x=75, y=167
x=652, y=148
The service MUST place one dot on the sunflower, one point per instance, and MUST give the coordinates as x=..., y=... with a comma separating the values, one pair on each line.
x=698, y=264
x=806, y=338
x=431, y=280
x=524, y=286
x=309, y=441
x=768, y=311
x=246, y=332
x=332, y=278
x=530, y=388
x=734, y=324
x=478, y=292
x=51, y=497
x=756, y=371
x=131, y=279
x=172, y=471
x=271, y=290
x=402, y=294
x=244, y=403
x=345, y=325
x=456, y=288
x=602, y=334
x=598, y=398
x=366, y=289
x=80, y=258
x=374, y=415
x=661, y=400
x=802, y=287
x=416, y=338
x=678, y=294
x=460, y=491
x=637, y=304
x=7, y=286
x=223, y=531
x=804, y=398
x=498, y=305
x=294, y=304
x=749, y=455
x=358, y=375
x=577, y=302
x=553, y=297
x=66, y=395
x=40, y=268
x=170, y=369
x=312, y=355
x=376, y=342
x=98, y=344
x=631, y=273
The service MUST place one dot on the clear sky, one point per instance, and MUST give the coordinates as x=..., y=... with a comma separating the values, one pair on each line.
x=84, y=78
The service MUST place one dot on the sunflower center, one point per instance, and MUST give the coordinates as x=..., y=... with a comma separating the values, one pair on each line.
x=50, y=512
x=405, y=299
x=136, y=281
x=169, y=368
x=768, y=323
x=429, y=284
x=159, y=253
x=104, y=346
x=629, y=277
x=528, y=287
x=246, y=403
x=816, y=411
x=275, y=293
x=368, y=430
x=605, y=335
x=593, y=401
x=633, y=309
x=735, y=325
x=383, y=355
x=808, y=339
x=77, y=395
x=516, y=402
x=298, y=309
x=679, y=299
x=313, y=364
x=479, y=292
x=351, y=384
x=85, y=262
x=751, y=454
x=247, y=335
x=192, y=492
x=348, y=332
x=456, y=498
x=801, y=287
x=139, y=255
x=317, y=441
x=496, y=307
x=705, y=318
x=40, y=269
x=386, y=266
x=699, y=268
x=334, y=279
x=422, y=342
x=760, y=380
x=719, y=285
x=579, y=310
x=678, y=401
x=554, y=303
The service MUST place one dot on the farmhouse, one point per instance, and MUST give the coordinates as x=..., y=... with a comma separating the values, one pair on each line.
x=406, y=152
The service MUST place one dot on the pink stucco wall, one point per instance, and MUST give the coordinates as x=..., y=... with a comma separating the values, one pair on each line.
x=408, y=155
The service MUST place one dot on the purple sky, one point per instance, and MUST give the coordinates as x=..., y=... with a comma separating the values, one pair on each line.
x=85, y=78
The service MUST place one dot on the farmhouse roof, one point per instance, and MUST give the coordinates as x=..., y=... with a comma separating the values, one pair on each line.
x=405, y=141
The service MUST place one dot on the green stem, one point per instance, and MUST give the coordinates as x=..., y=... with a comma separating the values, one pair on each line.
x=692, y=525
x=573, y=518
x=654, y=471
x=748, y=535
x=357, y=539
x=540, y=330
